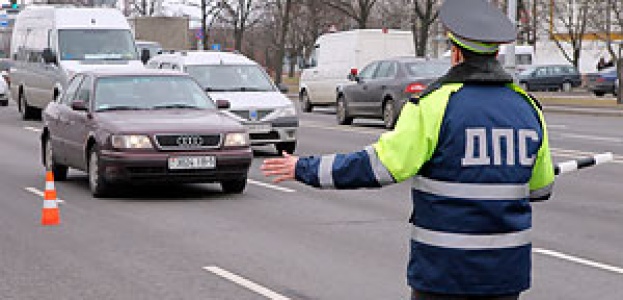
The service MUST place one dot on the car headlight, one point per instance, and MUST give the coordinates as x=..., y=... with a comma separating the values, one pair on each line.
x=131, y=142
x=287, y=111
x=236, y=139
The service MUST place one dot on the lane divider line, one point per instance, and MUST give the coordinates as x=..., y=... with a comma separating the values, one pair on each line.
x=271, y=186
x=33, y=129
x=252, y=286
x=591, y=138
x=578, y=260
x=40, y=193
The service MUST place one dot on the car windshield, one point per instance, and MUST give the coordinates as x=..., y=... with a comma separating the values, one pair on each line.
x=527, y=72
x=96, y=44
x=239, y=78
x=149, y=92
x=427, y=69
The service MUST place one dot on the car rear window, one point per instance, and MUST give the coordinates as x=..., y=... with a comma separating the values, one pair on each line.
x=427, y=69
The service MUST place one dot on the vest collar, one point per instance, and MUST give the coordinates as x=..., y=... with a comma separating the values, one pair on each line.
x=479, y=71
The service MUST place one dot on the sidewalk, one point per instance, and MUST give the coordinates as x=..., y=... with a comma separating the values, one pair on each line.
x=586, y=106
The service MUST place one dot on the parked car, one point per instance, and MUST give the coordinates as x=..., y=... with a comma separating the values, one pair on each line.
x=603, y=82
x=256, y=101
x=382, y=87
x=5, y=67
x=143, y=126
x=550, y=77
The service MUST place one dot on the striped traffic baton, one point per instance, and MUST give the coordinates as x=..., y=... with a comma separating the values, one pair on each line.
x=573, y=165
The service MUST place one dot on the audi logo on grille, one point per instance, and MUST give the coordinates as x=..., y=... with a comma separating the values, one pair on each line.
x=190, y=141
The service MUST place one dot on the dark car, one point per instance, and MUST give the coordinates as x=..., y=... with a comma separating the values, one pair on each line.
x=550, y=77
x=143, y=126
x=382, y=87
x=603, y=82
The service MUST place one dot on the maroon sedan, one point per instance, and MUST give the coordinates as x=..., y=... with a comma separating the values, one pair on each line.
x=143, y=126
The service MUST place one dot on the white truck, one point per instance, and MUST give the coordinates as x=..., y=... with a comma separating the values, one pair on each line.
x=336, y=55
x=50, y=44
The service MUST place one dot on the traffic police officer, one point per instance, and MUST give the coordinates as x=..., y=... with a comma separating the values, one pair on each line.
x=475, y=148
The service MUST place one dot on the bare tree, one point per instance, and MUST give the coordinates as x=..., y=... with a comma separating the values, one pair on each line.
x=209, y=9
x=567, y=23
x=425, y=15
x=606, y=21
x=241, y=15
x=358, y=10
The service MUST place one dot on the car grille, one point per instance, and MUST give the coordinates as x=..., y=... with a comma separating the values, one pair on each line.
x=273, y=135
x=188, y=141
x=252, y=115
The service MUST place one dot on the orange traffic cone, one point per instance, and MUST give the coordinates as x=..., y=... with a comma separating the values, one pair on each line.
x=50, y=213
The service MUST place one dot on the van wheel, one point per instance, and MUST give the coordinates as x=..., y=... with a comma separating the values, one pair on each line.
x=28, y=112
x=389, y=114
x=306, y=105
x=59, y=171
x=342, y=112
x=600, y=94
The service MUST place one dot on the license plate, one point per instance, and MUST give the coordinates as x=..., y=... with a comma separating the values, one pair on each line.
x=192, y=162
x=258, y=128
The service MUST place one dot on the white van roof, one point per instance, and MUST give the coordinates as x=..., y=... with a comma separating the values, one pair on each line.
x=77, y=17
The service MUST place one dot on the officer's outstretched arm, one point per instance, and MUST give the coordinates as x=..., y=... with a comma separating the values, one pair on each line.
x=397, y=155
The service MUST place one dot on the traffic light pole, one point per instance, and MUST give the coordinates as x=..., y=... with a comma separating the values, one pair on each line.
x=509, y=55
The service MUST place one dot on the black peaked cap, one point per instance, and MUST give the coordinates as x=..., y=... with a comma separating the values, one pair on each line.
x=477, y=20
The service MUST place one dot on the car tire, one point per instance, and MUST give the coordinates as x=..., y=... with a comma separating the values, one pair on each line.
x=28, y=112
x=599, y=94
x=59, y=171
x=389, y=114
x=288, y=147
x=341, y=112
x=306, y=105
x=236, y=186
x=566, y=87
x=97, y=183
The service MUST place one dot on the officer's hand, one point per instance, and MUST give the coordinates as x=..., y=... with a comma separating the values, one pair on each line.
x=282, y=168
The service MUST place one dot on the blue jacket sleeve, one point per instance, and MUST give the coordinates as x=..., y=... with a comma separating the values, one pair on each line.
x=361, y=169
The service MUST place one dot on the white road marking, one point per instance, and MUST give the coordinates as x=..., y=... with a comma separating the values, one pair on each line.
x=245, y=283
x=592, y=137
x=41, y=194
x=578, y=260
x=341, y=128
x=33, y=129
x=556, y=126
x=270, y=186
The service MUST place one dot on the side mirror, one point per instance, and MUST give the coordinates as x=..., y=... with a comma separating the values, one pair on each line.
x=145, y=56
x=223, y=104
x=79, y=105
x=48, y=56
x=283, y=88
x=352, y=76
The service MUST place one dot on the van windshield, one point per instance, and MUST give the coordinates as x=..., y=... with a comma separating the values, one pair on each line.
x=96, y=44
x=231, y=78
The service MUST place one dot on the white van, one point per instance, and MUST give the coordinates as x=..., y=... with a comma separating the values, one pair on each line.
x=335, y=55
x=50, y=44
x=524, y=56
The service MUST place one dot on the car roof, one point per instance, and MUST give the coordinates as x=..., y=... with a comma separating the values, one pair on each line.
x=132, y=72
x=207, y=58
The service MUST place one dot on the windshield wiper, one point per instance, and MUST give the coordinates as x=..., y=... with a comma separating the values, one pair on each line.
x=209, y=89
x=176, y=105
x=120, y=108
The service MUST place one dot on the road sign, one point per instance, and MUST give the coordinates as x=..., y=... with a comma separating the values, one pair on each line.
x=199, y=34
x=216, y=47
x=4, y=23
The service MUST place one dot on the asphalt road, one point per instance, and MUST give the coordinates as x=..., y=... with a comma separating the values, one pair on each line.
x=293, y=242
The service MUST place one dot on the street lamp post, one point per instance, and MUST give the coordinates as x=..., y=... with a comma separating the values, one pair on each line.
x=620, y=74
x=509, y=54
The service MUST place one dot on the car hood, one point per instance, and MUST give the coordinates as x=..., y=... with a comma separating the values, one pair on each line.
x=167, y=121
x=246, y=100
x=75, y=66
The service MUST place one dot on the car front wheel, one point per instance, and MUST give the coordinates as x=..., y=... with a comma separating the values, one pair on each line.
x=389, y=114
x=28, y=112
x=59, y=171
x=306, y=105
x=236, y=186
x=97, y=183
x=342, y=112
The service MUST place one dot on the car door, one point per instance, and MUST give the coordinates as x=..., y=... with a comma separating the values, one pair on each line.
x=79, y=125
x=540, y=79
x=356, y=94
x=59, y=134
x=377, y=87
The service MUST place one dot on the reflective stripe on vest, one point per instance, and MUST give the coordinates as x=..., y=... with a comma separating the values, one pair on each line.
x=471, y=190
x=470, y=241
x=381, y=174
x=325, y=172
